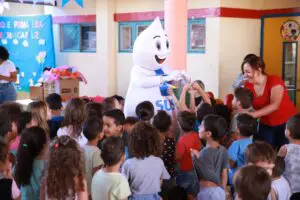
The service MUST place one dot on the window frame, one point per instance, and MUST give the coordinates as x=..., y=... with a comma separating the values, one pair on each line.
x=80, y=38
x=199, y=21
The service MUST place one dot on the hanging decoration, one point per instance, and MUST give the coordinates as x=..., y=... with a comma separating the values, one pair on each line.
x=3, y=5
x=79, y=2
x=290, y=30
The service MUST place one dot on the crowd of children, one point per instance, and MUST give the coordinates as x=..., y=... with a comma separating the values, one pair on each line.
x=204, y=150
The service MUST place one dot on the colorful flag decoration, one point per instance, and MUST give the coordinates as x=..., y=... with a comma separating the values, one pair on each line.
x=79, y=2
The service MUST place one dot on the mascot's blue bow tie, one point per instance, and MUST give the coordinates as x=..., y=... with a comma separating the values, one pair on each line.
x=160, y=72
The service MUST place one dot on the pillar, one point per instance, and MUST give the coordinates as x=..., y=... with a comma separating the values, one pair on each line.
x=176, y=12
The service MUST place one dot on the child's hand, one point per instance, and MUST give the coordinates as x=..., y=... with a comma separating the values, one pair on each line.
x=186, y=87
x=196, y=86
x=195, y=153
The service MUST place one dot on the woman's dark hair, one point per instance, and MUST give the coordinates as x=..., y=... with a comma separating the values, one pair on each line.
x=65, y=164
x=255, y=62
x=203, y=110
x=3, y=150
x=33, y=141
x=54, y=101
x=162, y=121
x=74, y=116
x=112, y=150
x=4, y=55
x=93, y=109
x=245, y=58
x=186, y=120
x=145, y=110
x=216, y=125
x=25, y=118
x=9, y=113
x=144, y=141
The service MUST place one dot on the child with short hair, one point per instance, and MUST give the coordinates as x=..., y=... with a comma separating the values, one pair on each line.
x=111, y=103
x=242, y=102
x=145, y=111
x=73, y=121
x=64, y=175
x=92, y=130
x=8, y=186
x=145, y=170
x=31, y=162
x=281, y=189
x=129, y=122
x=113, y=121
x=189, y=139
x=252, y=182
x=261, y=154
x=54, y=108
x=212, y=163
x=93, y=109
x=108, y=182
x=9, y=118
x=290, y=152
x=246, y=127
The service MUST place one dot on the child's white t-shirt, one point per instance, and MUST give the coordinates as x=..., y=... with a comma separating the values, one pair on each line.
x=282, y=188
x=145, y=175
x=67, y=130
x=109, y=186
x=6, y=68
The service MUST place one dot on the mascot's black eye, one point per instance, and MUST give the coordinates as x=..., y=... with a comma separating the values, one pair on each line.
x=167, y=44
x=158, y=45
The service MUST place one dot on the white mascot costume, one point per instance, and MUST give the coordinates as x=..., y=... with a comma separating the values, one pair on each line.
x=150, y=75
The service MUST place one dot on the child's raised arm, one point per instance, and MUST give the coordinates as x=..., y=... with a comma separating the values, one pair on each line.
x=203, y=94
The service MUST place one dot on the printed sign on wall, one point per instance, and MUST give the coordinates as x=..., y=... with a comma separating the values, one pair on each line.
x=29, y=40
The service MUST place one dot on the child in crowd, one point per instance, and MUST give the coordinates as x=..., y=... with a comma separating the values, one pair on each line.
x=162, y=122
x=8, y=186
x=38, y=110
x=212, y=163
x=9, y=118
x=223, y=111
x=92, y=130
x=201, y=111
x=31, y=159
x=64, y=175
x=93, y=109
x=54, y=108
x=281, y=189
x=121, y=101
x=145, y=111
x=145, y=170
x=261, y=154
x=73, y=121
x=110, y=103
x=242, y=102
x=252, y=183
x=128, y=125
x=113, y=121
x=108, y=182
x=24, y=122
x=188, y=140
x=246, y=127
x=290, y=152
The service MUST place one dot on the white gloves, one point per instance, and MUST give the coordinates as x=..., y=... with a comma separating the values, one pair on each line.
x=174, y=76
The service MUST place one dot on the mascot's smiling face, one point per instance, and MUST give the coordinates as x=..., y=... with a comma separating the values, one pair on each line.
x=151, y=47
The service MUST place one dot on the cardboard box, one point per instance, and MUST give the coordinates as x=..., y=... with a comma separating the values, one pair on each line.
x=36, y=93
x=67, y=88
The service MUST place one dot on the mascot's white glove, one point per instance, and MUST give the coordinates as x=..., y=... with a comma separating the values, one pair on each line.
x=174, y=76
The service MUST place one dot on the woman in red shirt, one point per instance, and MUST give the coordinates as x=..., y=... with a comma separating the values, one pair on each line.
x=271, y=101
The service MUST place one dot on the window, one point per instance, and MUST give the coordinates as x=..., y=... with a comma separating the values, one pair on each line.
x=78, y=37
x=128, y=32
x=196, y=36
